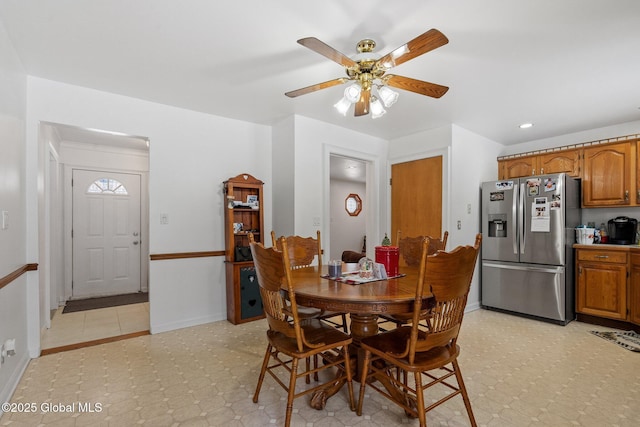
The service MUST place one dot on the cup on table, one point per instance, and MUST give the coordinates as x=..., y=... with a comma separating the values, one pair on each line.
x=335, y=269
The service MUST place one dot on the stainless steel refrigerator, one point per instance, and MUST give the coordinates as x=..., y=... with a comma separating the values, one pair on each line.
x=527, y=255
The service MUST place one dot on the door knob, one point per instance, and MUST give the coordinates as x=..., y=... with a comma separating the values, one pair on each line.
x=135, y=233
x=135, y=243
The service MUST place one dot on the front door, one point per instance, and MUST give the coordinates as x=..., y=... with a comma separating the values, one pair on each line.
x=416, y=198
x=106, y=233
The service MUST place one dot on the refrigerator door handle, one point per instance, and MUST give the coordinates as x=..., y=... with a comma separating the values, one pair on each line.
x=521, y=219
x=514, y=224
x=524, y=267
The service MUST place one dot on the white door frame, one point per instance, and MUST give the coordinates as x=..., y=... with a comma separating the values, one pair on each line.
x=144, y=225
x=446, y=180
x=372, y=199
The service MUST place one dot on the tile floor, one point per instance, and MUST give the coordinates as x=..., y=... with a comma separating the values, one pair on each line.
x=519, y=372
x=83, y=326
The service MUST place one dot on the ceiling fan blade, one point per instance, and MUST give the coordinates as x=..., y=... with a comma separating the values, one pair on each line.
x=327, y=51
x=430, y=40
x=417, y=86
x=318, y=86
x=362, y=106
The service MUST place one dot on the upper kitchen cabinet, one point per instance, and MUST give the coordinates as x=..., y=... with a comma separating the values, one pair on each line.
x=565, y=161
x=608, y=169
x=609, y=175
x=562, y=161
x=516, y=167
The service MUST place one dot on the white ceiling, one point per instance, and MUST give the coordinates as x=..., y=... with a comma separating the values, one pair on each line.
x=565, y=65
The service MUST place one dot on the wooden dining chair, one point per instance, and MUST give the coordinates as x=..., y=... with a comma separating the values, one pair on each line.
x=302, y=252
x=410, y=249
x=421, y=350
x=291, y=340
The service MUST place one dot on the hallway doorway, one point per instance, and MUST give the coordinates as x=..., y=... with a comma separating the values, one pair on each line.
x=347, y=229
x=118, y=157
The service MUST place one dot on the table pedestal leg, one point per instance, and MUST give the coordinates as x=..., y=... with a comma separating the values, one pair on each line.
x=362, y=325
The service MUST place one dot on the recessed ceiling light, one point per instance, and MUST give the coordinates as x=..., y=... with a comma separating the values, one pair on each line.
x=526, y=125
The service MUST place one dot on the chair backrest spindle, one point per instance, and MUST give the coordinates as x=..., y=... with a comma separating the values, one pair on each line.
x=301, y=251
x=447, y=276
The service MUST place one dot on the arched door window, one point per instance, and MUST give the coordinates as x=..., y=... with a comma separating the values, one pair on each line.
x=107, y=186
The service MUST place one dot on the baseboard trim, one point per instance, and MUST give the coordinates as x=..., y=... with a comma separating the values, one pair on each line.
x=172, y=326
x=6, y=392
x=91, y=343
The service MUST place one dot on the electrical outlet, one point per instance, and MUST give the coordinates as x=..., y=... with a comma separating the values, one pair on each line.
x=164, y=219
x=469, y=208
x=316, y=221
x=5, y=220
x=8, y=349
x=459, y=225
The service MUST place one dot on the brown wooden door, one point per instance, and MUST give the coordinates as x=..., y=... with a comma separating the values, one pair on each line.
x=416, y=198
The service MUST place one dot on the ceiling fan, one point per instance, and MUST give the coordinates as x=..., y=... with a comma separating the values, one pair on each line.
x=367, y=70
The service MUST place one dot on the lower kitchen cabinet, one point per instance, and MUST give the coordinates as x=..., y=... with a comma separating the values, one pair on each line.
x=602, y=284
x=634, y=292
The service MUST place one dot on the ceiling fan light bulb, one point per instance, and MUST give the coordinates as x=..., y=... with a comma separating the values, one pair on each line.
x=377, y=110
x=342, y=106
x=388, y=96
x=352, y=93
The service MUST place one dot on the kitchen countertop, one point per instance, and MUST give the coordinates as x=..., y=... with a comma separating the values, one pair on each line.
x=608, y=247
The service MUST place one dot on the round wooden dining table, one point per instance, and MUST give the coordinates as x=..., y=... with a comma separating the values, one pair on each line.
x=363, y=301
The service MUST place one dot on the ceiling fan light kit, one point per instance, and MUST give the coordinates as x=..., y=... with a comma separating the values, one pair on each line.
x=367, y=71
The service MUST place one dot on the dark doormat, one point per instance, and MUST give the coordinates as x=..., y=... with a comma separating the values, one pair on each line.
x=104, y=302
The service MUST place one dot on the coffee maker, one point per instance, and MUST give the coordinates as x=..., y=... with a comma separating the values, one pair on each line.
x=622, y=230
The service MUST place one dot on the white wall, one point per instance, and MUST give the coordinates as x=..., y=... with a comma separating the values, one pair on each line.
x=283, y=177
x=473, y=160
x=347, y=232
x=597, y=134
x=14, y=321
x=423, y=145
x=190, y=155
x=597, y=215
x=315, y=142
x=468, y=160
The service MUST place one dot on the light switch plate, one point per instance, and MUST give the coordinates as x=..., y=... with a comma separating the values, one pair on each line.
x=5, y=220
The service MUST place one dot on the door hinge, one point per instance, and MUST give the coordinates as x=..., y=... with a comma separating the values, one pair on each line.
x=389, y=181
x=72, y=234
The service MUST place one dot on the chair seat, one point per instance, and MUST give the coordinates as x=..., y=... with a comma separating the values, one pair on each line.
x=395, y=342
x=316, y=333
x=308, y=312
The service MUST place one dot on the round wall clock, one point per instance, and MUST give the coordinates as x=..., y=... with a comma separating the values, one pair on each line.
x=353, y=204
